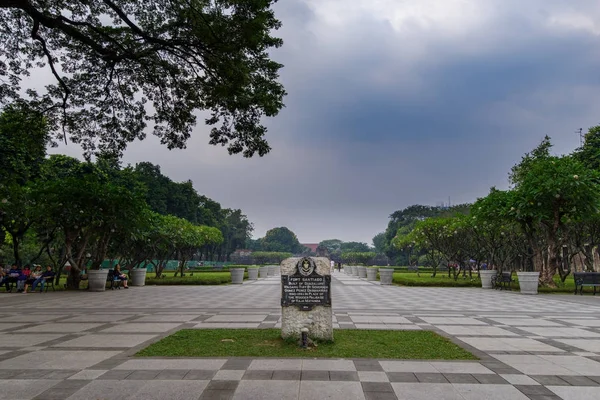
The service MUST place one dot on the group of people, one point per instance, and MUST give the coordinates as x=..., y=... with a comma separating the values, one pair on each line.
x=25, y=277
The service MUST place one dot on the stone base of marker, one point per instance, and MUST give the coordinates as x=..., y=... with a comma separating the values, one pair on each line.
x=319, y=320
x=252, y=274
x=362, y=272
x=386, y=276
x=237, y=275
x=371, y=274
x=263, y=272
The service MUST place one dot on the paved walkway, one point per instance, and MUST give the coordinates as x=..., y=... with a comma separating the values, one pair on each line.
x=79, y=345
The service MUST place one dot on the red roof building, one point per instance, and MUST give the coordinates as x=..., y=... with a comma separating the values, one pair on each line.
x=311, y=246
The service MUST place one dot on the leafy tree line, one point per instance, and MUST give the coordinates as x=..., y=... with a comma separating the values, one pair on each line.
x=60, y=209
x=402, y=222
x=548, y=219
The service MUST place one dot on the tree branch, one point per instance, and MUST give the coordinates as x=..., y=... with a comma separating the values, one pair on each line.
x=35, y=35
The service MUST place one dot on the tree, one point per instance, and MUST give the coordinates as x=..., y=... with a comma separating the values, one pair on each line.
x=589, y=153
x=281, y=240
x=357, y=247
x=122, y=64
x=23, y=140
x=551, y=192
x=379, y=243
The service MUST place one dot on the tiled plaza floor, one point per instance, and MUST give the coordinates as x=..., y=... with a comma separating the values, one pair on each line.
x=80, y=345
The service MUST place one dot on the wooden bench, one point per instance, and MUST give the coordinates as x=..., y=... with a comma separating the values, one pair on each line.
x=586, y=279
x=502, y=281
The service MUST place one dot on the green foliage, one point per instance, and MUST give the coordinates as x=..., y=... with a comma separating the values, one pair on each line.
x=119, y=66
x=355, y=247
x=589, y=153
x=270, y=257
x=199, y=278
x=165, y=196
x=353, y=257
x=23, y=140
x=281, y=240
x=379, y=243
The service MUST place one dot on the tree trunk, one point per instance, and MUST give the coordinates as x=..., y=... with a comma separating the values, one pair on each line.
x=17, y=256
x=74, y=278
x=549, y=269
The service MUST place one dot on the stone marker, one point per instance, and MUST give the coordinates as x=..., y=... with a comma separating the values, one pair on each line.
x=306, y=298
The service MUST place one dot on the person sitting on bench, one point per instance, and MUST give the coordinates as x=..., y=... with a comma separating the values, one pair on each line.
x=119, y=276
x=35, y=274
x=47, y=275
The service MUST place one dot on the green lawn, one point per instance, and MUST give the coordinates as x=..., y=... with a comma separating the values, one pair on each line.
x=199, y=278
x=441, y=280
x=424, y=345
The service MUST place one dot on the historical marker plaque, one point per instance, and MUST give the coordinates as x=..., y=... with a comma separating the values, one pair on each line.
x=305, y=288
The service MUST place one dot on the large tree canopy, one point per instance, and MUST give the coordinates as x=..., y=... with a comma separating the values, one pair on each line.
x=120, y=65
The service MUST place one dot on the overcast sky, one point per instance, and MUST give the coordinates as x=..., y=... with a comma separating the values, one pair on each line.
x=400, y=102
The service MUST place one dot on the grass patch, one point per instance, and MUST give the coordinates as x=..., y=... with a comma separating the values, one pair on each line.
x=423, y=345
x=199, y=278
x=440, y=280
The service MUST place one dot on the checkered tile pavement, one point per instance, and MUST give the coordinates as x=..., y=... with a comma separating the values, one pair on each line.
x=79, y=345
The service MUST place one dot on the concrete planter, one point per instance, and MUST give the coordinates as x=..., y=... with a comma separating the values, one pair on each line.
x=271, y=270
x=371, y=274
x=252, y=274
x=386, y=276
x=278, y=270
x=486, y=278
x=237, y=275
x=354, y=271
x=97, y=280
x=528, y=282
x=348, y=270
x=263, y=272
x=138, y=276
x=362, y=272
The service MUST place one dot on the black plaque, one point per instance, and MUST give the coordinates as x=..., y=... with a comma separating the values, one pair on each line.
x=306, y=288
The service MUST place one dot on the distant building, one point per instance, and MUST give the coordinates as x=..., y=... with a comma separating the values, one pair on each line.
x=311, y=246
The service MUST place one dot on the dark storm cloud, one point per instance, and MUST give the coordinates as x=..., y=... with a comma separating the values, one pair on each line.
x=383, y=114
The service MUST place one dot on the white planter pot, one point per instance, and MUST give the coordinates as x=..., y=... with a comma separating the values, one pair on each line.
x=354, y=271
x=371, y=274
x=237, y=275
x=386, y=276
x=362, y=272
x=486, y=278
x=252, y=274
x=97, y=280
x=263, y=272
x=271, y=270
x=138, y=277
x=528, y=282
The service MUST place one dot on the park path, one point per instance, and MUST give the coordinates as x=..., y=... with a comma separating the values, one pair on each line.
x=79, y=345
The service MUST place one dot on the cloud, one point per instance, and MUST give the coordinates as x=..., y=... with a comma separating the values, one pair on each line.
x=396, y=102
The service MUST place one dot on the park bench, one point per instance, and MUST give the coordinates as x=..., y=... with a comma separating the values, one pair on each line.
x=114, y=283
x=586, y=279
x=502, y=281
